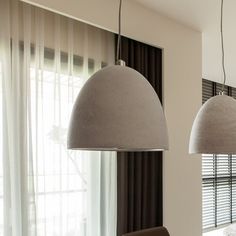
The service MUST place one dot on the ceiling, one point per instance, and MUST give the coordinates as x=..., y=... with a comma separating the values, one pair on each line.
x=204, y=16
x=198, y=14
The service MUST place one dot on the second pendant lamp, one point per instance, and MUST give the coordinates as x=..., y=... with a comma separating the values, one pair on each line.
x=214, y=128
x=117, y=109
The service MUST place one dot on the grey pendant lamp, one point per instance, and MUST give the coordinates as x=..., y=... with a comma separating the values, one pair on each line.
x=117, y=109
x=214, y=128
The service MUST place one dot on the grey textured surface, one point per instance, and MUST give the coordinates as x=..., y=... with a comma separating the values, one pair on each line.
x=214, y=128
x=117, y=109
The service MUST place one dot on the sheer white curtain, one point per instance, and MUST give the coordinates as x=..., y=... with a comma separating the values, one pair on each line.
x=45, y=189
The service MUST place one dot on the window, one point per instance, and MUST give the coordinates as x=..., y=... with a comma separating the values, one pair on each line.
x=219, y=190
x=60, y=176
x=45, y=189
x=218, y=177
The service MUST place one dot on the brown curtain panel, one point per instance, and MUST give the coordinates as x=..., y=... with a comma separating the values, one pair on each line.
x=139, y=174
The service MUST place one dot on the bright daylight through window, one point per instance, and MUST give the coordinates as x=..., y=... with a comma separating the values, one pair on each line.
x=61, y=175
x=46, y=189
x=1, y=151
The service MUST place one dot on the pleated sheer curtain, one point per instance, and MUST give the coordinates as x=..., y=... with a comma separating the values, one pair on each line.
x=45, y=189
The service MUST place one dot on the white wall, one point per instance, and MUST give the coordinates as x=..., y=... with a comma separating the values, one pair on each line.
x=182, y=96
x=211, y=42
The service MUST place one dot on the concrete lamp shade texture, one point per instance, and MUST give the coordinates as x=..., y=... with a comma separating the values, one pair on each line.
x=117, y=110
x=214, y=128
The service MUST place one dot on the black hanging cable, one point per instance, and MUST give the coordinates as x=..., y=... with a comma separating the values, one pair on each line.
x=222, y=45
x=118, y=49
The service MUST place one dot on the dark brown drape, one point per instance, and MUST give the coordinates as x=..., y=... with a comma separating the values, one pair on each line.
x=139, y=174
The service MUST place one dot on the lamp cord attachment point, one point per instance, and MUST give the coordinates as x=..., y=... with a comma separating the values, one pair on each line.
x=120, y=62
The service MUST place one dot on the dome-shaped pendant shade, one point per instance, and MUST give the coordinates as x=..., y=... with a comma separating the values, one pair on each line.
x=117, y=109
x=214, y=128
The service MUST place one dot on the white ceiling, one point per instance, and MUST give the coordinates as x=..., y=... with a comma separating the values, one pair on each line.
x=198, y=14
x=204, y=16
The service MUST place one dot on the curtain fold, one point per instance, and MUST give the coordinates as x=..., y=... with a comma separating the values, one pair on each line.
x=102, y=197
x=45, y=189
x=139, y=174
